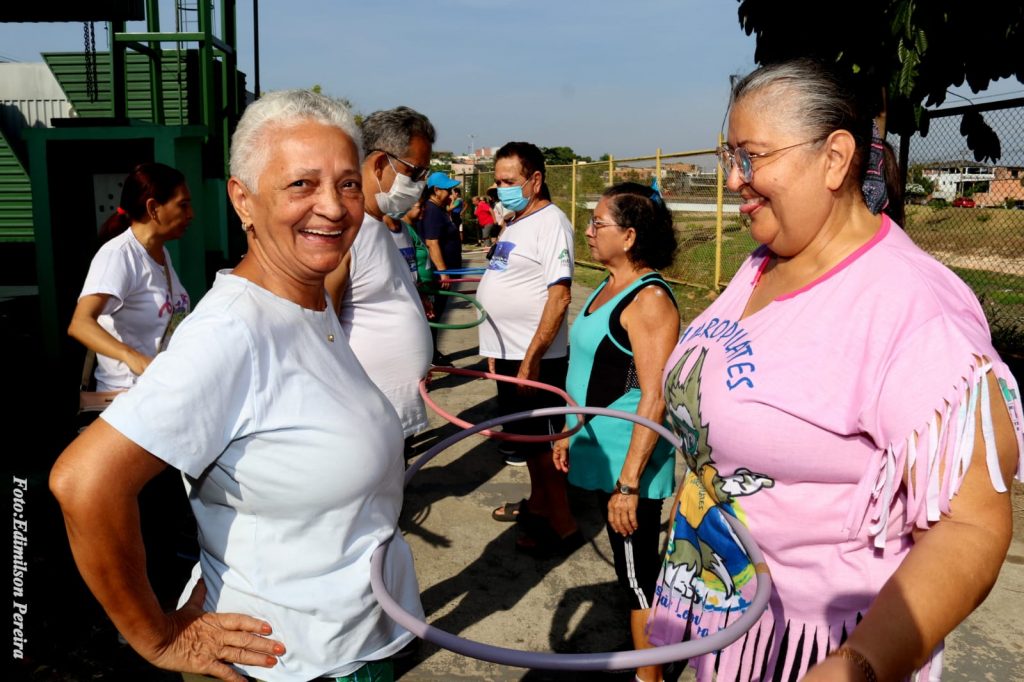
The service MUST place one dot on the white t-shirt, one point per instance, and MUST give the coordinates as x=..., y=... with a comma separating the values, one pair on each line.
x=140, y=305
x=501, y=214
x=293, y=463
x=383, y=318
x=531, y=255
x=406, y=248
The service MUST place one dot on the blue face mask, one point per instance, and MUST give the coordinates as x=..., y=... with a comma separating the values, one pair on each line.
x=512, y=198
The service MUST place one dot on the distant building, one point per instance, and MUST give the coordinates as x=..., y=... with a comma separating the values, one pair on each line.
x=29, y=98
x=1007, y=183
x=953, y=179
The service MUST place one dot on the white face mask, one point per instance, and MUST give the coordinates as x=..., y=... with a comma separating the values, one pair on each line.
x=403, y=194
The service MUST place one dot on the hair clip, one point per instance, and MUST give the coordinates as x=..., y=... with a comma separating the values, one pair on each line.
x=656, y=193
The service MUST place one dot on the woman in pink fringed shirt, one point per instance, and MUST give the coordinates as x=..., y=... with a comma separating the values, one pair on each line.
x=842, y=398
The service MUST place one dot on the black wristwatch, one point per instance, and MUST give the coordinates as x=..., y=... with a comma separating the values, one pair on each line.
x=623, y=489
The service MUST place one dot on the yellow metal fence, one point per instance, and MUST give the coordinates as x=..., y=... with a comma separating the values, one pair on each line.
x=712, y=241
x=984, y=245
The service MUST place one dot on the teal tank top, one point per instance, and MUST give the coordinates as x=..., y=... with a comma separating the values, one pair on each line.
x=602, y=374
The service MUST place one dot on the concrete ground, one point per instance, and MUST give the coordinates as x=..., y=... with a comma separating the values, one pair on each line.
x=476, y=585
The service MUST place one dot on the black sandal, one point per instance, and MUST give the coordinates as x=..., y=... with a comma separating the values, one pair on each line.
x=509, y=513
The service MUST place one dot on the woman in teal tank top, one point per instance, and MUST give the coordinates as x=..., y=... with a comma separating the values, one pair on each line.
x=619, y=345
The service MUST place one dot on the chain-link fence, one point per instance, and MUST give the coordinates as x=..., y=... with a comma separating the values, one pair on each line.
x=970, y=215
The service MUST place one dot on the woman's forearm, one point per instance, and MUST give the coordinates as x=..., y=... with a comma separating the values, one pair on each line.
x=947, y=574
x=88, y=332
x=643, y=439
x=102, y=519
x=434, y=249
x=951, y=567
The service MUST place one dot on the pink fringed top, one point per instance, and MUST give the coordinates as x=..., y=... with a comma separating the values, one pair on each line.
x=803, y=420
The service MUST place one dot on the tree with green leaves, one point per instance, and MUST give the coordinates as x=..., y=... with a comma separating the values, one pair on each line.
x=318, y=89
x=918, y=177
x=561, y=156
x=909, y=51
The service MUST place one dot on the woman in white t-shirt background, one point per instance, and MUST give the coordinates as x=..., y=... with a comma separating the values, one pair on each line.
x=132, y=299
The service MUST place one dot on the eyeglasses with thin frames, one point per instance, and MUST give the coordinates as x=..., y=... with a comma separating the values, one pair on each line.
x=596, y=225
x=743, y=160
x=416, y=173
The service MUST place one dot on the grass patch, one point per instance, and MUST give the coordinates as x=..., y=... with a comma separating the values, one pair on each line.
x=967, y=231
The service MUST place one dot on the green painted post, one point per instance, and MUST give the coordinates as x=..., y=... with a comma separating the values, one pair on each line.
x=156, y=69
x=118, y=75
x=208, y=92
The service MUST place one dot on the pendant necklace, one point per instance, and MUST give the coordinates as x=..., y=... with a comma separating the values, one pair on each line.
x=325, y=324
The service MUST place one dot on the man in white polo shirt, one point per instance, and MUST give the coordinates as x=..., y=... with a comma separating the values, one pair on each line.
x=526, y=293
x=373, y=289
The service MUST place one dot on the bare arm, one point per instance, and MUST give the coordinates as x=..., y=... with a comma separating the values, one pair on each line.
x=434, y=247
x=947, y=573
x=337, y=281
x=551, y=318
x=85, y=328
x=652, y=322
x=97, y=480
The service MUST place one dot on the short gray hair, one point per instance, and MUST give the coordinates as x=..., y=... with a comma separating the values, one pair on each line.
x=814, y=99
x=282, y=108
x=392, y=130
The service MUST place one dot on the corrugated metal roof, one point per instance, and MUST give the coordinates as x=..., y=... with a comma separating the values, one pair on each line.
x=69, y=69
x=15, y=197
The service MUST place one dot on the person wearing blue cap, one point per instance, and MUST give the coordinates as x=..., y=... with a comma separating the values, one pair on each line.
x=441, y=235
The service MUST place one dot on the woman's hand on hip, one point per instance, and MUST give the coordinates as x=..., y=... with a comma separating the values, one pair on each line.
x=136, y=361
x=622, y=513
x=206, y=643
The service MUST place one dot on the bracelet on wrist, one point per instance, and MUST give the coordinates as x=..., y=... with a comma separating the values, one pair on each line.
x=858, y=659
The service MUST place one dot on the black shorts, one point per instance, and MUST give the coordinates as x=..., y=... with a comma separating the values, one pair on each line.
x=510, y=401
x=638, y=557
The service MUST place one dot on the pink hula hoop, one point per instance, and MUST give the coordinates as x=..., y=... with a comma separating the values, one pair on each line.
x=499, y=435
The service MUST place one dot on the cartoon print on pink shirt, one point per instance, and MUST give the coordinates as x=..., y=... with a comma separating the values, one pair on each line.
x=705, y=568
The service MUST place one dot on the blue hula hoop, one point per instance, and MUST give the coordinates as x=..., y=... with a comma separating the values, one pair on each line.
x=461, y=271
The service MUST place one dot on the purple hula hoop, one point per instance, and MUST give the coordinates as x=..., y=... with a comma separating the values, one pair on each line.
x=617, y=660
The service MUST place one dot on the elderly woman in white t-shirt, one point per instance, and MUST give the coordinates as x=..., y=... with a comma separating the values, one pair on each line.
x=132, y=299
x=262, y=405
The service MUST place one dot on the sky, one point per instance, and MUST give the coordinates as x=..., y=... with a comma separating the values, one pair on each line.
x=622, y=78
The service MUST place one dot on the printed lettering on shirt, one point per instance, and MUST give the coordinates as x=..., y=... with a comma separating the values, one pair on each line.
x=502, y=251
x=738, y=351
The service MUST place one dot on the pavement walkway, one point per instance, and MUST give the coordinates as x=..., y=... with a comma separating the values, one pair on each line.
x=476, y=585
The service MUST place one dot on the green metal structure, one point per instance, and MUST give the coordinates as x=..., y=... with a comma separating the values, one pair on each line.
x=15, y=197
x=172, y=97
